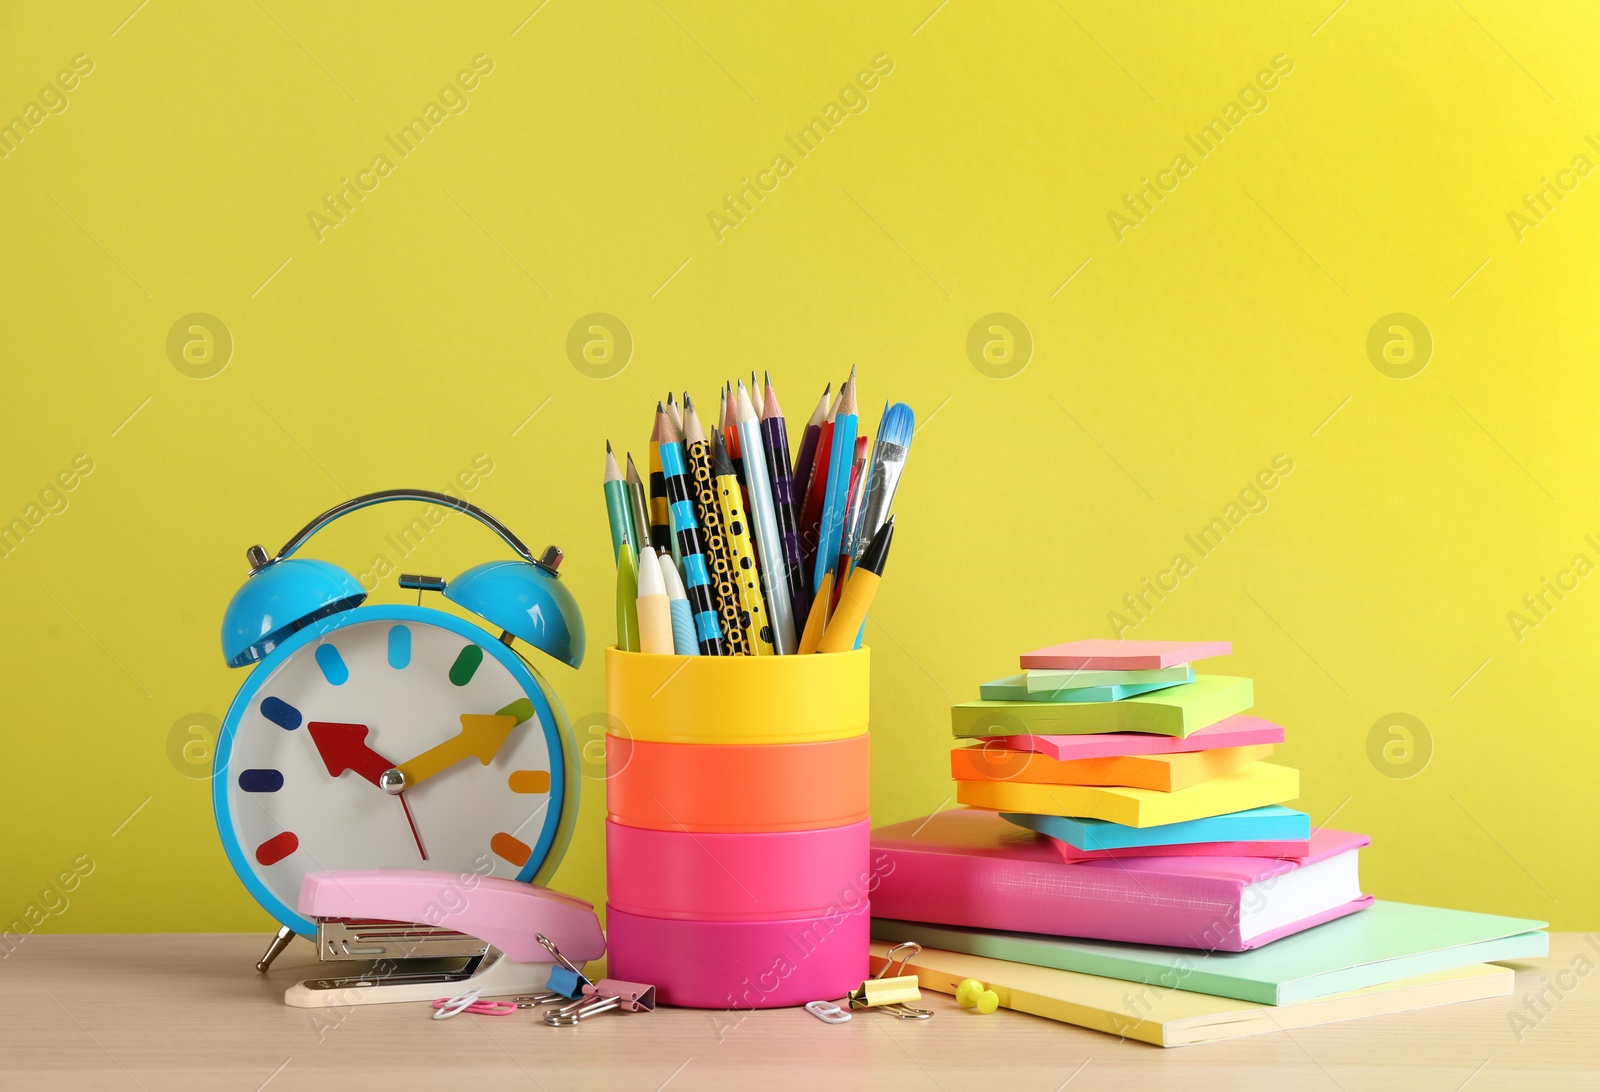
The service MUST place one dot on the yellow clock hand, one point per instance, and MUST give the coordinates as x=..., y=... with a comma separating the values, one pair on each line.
x=481, y=737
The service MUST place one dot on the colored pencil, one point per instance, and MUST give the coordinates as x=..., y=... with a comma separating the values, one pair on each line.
x=696, y=573
x=730, y=500
x=807, y=455
x=619, y=509
x=712, y=530
x=856, y=599
x=769, y=545
x=684, y=641
x=674, y=414
x=817, y=487
x=775, y=441
x=831, y=525
x=627, y=598
x=638, y=508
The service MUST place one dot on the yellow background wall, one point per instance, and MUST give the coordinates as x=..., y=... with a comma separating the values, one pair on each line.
x=1171, y=362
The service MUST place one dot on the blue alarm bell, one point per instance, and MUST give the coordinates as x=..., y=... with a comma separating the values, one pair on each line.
x=371, y=736
x=524, y=598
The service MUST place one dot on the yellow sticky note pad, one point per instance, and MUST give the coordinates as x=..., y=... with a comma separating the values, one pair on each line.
x=1254, y=786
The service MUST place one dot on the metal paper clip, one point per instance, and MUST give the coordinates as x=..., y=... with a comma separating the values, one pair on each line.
x=604, y=996
x=827, y=1012
x=888, y=993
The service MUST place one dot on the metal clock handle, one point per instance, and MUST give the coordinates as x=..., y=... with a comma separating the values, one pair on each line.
x=426, y=496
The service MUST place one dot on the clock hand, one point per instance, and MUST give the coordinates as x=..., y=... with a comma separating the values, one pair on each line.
x=344, y=747
x=481, y=737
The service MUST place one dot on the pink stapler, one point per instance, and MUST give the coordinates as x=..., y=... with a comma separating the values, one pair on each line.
x=429, y=934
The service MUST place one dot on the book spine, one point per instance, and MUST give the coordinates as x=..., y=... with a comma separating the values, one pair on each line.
x=1056, y=900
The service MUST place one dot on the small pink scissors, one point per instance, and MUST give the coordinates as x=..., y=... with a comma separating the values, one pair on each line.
x=447, y=1007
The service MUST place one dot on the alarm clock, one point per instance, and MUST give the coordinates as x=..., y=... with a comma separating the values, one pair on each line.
x=392, y=735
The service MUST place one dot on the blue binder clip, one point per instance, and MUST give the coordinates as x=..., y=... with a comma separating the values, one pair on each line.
x=566, y=981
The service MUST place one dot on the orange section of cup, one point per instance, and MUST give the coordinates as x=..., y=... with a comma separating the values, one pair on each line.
x=737, y=789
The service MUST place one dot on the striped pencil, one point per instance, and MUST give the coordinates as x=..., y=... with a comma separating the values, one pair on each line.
x=775, y=442
x=696, y=572
x=670, y=432
x=713, y=532
x=660, y=525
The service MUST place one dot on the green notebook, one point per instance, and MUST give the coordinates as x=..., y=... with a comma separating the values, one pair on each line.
x=1384, y=943
x=1175, y=711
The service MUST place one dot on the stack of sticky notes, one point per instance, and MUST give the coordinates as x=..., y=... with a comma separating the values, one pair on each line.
x=1114, y=795
x=1125, y=734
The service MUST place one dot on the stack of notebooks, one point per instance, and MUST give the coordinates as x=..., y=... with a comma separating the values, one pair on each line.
x=1123, y=825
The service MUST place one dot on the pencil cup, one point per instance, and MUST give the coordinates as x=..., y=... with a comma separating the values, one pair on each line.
x=737, y=832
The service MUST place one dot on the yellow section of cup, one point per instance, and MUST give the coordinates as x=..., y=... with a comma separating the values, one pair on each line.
x=737, y=699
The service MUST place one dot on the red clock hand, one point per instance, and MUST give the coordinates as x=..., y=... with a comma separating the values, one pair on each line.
x=344, y=747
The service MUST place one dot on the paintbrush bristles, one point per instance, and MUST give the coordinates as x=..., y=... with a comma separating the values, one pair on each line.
x=898, y=425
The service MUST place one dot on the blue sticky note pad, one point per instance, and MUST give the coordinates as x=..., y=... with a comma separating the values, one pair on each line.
x=1013, y=688
x=1274, y=823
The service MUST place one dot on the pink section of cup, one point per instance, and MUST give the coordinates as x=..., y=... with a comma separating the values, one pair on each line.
x=741, y=964
x=735, y=877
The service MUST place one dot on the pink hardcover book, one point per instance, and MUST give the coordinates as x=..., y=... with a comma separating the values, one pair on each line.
x=973, y=869
x=1100, y=653
x=1235, y=731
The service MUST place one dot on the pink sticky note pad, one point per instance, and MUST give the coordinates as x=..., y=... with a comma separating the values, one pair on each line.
x=1235, y=731
x=1291, y=850
x=1103, y=654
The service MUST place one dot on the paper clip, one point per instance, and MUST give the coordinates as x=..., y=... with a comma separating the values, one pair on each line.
x=888, y=993
x=827, y=1012
x=446, y=1007
x=566, y=980
x=604, y=996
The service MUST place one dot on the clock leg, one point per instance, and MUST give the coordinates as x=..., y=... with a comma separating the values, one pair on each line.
x=275, y=949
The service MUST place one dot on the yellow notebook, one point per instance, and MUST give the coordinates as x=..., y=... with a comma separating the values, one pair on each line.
x=1164, y=773
x=1172, y=1017
x=1253, y=786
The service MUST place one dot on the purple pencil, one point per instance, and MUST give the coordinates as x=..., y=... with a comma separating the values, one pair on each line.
x=775, y=441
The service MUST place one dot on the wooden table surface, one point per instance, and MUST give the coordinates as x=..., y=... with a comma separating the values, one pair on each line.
x=190, y=1012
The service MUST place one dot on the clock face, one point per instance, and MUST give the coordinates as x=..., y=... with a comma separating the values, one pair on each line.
x=310, y=736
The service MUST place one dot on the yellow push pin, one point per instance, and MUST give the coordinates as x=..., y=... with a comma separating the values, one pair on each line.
x=972, y=994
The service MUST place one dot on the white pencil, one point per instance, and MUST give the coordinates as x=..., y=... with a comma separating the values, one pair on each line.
x=769, y=547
